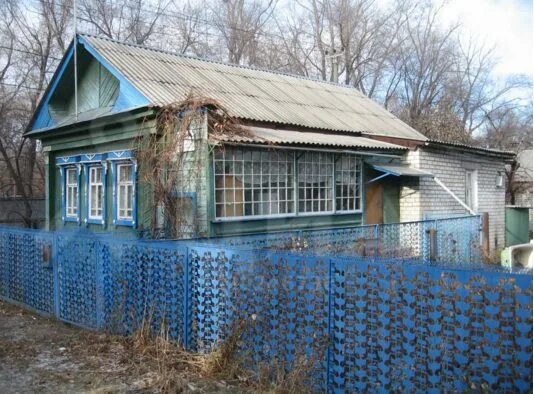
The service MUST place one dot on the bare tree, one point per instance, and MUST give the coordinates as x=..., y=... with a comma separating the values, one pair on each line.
x=32, y=53
x=510, y=128
x=240, y=23
x=427, y=58
x=132, y=21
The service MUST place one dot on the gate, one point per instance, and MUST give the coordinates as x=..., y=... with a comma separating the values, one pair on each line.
x=26, y=269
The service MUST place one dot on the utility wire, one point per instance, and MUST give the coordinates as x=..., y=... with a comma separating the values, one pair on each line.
x=26, y=52
x=179, y=15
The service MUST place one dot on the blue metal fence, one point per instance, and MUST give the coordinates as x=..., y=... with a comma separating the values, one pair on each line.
x=457, y=241
x=26, y=269
x=366, y=324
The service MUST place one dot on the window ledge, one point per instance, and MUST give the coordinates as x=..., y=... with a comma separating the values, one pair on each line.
x=273, y=217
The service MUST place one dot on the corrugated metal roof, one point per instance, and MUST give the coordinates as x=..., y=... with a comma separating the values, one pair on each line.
x=437, y=143
x=261, y=135
x=401, y=170
x=249, y=93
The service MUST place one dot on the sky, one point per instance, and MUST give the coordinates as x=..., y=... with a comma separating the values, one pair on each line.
x=507, y=24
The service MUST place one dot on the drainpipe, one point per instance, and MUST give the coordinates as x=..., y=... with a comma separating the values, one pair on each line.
x=455, y=196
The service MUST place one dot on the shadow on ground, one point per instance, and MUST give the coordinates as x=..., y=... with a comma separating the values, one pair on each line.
x=45, y=355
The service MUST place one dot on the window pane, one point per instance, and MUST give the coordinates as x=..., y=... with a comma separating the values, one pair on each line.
x=71, y=175
x=125, y=173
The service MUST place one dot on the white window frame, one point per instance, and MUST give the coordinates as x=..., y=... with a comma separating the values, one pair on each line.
x=71, y=211
x=471, y=189
x=345, y=173
x=308, y=167
x=126, y=184
x=220, y=188
x=235, y=160
x=93, y=186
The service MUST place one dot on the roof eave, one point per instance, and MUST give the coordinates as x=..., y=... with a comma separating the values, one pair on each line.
x=505, y=155
x=137, y=112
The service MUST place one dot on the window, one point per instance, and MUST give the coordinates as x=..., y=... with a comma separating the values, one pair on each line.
x=471, y=189
x=253, y=183
x=96, y=192
x=348, y=176
x=125, y=192
x=71, y=186
x=261, y=183
x=315, y=175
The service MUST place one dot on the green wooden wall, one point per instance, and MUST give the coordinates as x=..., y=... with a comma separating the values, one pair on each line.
x=118, y=133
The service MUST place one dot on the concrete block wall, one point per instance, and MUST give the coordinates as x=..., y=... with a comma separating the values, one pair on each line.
x=410, y=196
x=425, y=198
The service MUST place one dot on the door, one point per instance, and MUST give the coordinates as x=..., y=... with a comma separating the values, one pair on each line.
x=373, y=203
x=517, y=228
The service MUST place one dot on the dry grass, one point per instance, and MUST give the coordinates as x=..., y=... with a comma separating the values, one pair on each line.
x=48, y=356
x=227, y=362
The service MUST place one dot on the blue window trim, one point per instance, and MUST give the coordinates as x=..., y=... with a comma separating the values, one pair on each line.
x=108, y=161
x=87, y=166
x=114, y=163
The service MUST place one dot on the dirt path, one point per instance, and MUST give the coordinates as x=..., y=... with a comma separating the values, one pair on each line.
x=44, y=355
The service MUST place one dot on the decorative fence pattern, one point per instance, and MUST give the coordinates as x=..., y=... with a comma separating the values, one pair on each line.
x=26, y=274
x=456, y=241
x=378, y=324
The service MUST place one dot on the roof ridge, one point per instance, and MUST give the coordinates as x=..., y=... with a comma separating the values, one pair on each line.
x=254, y=68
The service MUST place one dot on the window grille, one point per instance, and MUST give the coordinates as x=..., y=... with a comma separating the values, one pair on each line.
x=315, y=174
x=348, y=183
x=253, y=183
x=261, y=183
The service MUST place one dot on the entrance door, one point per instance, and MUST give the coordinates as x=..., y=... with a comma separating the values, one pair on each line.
x=373, y=203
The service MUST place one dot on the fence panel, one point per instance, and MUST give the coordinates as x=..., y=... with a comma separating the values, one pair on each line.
x=26, y=271
x=368, y=323
x=419, y=328
x=457, y=241
x=278, y=303
x=144, y=283
x=77, y=279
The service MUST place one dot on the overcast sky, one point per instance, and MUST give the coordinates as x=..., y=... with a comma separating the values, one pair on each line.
x=505, y=23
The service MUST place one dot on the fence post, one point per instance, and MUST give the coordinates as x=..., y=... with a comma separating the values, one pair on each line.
x=186, y=301
x=55, y=273
x=377, y=232
x=432, y=238
x=330, y=319
x=485, y=235
x=99, y=287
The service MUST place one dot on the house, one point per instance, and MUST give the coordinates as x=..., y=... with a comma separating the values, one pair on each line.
x=291, y=153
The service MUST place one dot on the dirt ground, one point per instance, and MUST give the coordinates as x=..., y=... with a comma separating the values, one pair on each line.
x=47, y=356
